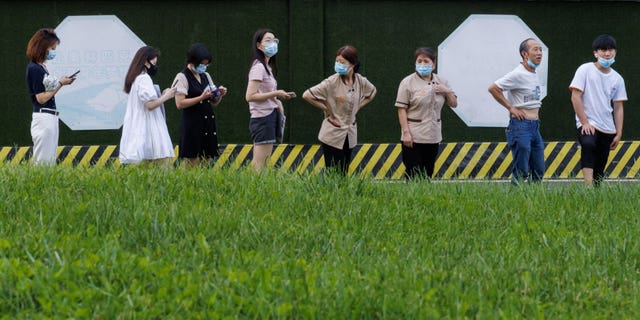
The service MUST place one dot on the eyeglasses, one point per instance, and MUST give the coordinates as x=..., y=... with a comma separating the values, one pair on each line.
x=270, y=41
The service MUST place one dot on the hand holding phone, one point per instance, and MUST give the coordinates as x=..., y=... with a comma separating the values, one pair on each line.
x=74, y=74
x=291, y=94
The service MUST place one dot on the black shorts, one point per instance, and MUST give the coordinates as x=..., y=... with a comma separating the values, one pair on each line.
x=266, y=130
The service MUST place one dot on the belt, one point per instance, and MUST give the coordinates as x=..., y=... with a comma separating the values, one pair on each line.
x=49, y=111
x=418, y=120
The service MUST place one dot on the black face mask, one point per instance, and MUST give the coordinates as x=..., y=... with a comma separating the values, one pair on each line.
x=152, y=70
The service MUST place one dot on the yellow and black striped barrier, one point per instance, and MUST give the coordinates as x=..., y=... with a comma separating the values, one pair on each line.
x=462, y=160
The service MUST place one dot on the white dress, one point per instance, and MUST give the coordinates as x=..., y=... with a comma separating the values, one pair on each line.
x=145, y=135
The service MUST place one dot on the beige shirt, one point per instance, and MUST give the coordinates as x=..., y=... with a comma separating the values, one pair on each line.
x=182, y=84
x=343, y=101
x=423, y=106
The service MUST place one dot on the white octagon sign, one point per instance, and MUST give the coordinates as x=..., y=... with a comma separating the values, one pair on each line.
x=102, y=48
x=480, y=51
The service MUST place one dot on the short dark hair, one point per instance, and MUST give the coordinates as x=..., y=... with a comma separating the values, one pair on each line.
x=604, y=42
x=524, y=46
x=198, y=52
x=427, y=52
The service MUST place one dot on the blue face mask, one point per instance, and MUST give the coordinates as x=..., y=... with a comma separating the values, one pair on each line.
x=424, y=69
x=531, y=64
x=341, y=68
x=271, y=49
x=51, y=54
x=606, y=63
x=200, y=69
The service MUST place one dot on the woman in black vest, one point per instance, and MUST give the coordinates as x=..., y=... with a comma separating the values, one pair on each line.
x=196, y=95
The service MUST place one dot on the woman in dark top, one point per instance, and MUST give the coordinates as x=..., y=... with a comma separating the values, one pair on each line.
x=42, y=88
x=196, y=95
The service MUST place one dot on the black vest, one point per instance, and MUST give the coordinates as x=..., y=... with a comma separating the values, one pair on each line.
x=195, y=89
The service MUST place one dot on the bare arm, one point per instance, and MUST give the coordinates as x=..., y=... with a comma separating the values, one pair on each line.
x=252, y=94
x=166, y=95
x=451, y=99
x=314, y=102
x=407, y=138
x=618, y=116
x=368, y=99
x=45, y=96
x=449, y=96
x=497, y=94
x=578, y=107
x=320, y=105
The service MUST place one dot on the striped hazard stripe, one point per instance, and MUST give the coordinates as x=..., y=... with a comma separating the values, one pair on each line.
x=462, y=160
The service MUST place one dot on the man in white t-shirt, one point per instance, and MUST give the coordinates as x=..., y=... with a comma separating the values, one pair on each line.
x=522, y=87
x=594, y=87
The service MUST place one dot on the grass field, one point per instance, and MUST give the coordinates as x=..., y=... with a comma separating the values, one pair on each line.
x=147, y=243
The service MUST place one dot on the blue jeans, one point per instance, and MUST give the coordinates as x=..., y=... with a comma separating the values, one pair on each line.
x=527, y=149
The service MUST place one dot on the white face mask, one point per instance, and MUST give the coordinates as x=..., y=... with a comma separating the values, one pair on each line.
x=200, y=69
x=271, y=49
x=424, y=69
x=341, y=68
x=51, y=54
x=606, y=63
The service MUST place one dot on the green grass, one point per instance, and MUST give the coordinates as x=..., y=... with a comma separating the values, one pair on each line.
x=136, y=243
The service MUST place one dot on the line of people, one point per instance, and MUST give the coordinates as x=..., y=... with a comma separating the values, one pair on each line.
x=420, y=98
x=597, y=95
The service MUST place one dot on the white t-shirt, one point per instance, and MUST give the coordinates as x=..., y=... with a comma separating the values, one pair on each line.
x=598, y=90
x=522, y=87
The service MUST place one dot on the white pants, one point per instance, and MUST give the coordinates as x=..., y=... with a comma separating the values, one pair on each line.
x=44, y=133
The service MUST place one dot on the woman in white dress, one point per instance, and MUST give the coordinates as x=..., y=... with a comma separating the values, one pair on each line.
x=145, y=137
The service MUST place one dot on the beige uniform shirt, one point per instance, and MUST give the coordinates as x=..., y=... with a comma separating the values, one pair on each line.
x=423, y=106
x=343, y=101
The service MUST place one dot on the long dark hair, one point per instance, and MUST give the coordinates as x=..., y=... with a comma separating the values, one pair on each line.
x=144, y=55
x=350, y=54
x=257, y=54
x=40, y=43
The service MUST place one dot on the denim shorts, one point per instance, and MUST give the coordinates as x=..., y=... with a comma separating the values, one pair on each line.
x=265, y=130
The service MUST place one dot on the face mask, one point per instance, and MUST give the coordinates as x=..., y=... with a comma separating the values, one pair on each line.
x=424, y=69
x=200, y=69
x=271, y=49
x=606, y=63
x=51, y=54
x=341, y=68
x=152, y=70
x=531, y=64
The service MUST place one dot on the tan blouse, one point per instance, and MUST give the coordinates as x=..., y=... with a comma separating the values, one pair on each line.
x=423, y=106
x=343, y=101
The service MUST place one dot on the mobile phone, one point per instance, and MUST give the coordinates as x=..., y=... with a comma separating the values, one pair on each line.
x=75, y=74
